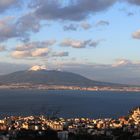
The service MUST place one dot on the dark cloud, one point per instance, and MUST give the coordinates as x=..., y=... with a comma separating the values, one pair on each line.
x=8, y=29
x=102, y=23
x=130, y=13
x=136, y=2
x=127, y=12
x=11, y=28
x=79, y=43
x=74, y=27
x=28, y=23
x=60, y=54
x=6, y=4
x=76, y=11
x=94, y=43
x=41, y=10
x=70, y=27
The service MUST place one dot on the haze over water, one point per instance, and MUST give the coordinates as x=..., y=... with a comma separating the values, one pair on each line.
x=70, y=103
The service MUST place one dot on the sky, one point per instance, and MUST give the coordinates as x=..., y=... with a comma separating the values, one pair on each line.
x=99, y=39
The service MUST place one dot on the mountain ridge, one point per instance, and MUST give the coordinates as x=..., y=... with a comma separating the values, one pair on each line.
x=51, y=77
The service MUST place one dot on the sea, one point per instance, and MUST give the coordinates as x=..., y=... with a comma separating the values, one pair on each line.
x=67, y=103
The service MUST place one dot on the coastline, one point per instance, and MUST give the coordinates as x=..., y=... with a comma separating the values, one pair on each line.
x=63, y=87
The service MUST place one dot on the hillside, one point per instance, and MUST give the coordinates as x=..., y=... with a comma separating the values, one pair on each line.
x=49, y=77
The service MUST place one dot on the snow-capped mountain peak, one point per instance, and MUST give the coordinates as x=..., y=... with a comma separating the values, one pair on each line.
x=38, y=68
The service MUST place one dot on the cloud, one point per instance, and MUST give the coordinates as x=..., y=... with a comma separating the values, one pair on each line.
x=35, y=44
x=20, y=54
x=85, y=25
x=7, y=29
x=6, y=4
x=2, y=48
x=136, y=35
x=70, y=27
x=74, y=27
x=75, y=10
x=10, y=29
x=136, y=2
x=95, y=43
x=60, y=54
x=130, y=14
x=39, y=52
x=102, y=23
x=122, y=62
x=28, y=23
x=13, y=28
x=44, y=10
x=127, y=12
x=74, y=43
x=78, y=43
x=32, y=49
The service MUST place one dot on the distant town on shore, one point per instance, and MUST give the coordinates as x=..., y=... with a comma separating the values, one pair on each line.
x=63, y=87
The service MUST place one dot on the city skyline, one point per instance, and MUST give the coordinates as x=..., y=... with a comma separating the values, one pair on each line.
x=99, y=39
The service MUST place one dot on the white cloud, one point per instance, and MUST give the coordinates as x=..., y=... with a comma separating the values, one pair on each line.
x=121, y=62
x=39, y=52
x=35, y=44
x=2, y=48
x=85, y=25
x=136, y=34
x=32, y=49
x=20, y=54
